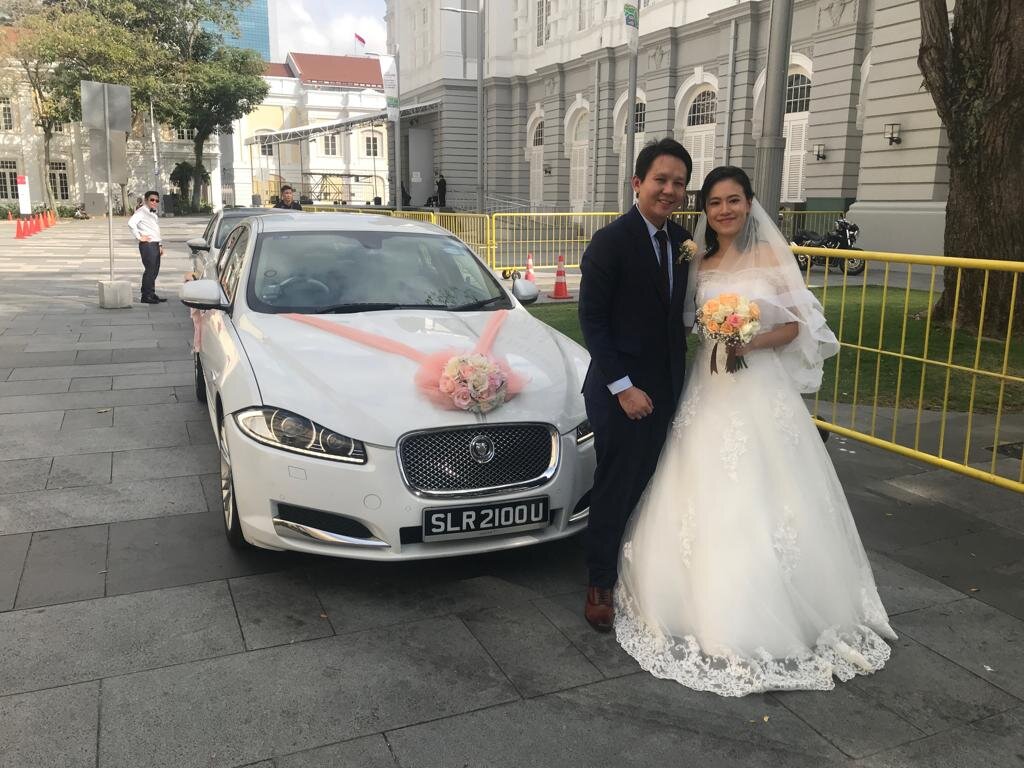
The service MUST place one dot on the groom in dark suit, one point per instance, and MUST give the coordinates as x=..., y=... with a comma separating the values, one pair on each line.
x=631, y=313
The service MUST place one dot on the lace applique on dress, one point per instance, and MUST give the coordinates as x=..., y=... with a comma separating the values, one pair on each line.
x=785, y=542
x=783, y=413
x=734, y=445
x=687, y=409
x=686, y=534
x=839, y=653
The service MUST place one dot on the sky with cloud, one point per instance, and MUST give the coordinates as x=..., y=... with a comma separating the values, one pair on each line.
x=329, y=26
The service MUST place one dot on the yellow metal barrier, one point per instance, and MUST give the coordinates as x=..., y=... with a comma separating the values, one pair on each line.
x=819, y=222
x=907, y=379
x=545, y=236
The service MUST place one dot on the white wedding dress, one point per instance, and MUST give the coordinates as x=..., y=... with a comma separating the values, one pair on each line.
x=741, y=569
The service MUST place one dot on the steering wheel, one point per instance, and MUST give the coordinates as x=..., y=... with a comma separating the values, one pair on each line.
x=302, y=280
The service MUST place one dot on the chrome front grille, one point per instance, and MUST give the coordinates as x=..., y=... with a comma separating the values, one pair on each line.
x=441, y=463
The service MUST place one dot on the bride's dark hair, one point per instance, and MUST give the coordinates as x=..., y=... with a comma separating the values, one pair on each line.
x=721, y=173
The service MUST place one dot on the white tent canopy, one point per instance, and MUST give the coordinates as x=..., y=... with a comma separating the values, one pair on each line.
x=301, y=132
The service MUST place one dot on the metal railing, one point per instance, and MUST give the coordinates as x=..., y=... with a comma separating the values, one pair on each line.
x=820, y=222
x=907, y=378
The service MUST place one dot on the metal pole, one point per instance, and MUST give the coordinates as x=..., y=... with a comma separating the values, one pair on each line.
x=110, y=196
x=156, y=153
x=373, y=132
x=397, y=192
x=630, y=148
x=729, y=92
x=481, y=119
x=771, y=147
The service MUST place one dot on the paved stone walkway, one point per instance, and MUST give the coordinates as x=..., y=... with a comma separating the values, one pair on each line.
x=132, y=636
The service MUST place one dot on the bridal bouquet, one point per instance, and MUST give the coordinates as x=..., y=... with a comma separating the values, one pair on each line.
x=474, y=382
x=732, y=320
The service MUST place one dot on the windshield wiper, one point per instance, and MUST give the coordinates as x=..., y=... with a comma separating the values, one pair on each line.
x=477, y=304
x=368, y=306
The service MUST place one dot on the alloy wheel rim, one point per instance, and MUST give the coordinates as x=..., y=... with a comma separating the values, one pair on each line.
x=226, y=484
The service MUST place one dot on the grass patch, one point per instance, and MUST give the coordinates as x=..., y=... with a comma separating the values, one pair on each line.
x=863, y=320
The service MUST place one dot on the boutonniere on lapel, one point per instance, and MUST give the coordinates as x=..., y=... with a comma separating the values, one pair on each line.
x=686, y=251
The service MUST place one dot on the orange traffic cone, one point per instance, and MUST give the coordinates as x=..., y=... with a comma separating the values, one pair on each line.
x=44, y=222
x=36, y=229
x=19, y=233
x=529, y=269
x=561, y=288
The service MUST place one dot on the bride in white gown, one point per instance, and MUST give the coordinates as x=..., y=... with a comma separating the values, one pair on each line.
x=741, y=569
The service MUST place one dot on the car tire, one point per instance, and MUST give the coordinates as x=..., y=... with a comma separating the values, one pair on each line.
x=229, y=507
x=200, y=380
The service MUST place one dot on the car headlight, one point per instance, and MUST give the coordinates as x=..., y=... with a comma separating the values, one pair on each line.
x=288, y=431
x=584, y=432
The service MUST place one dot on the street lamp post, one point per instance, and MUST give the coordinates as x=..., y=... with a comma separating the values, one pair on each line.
x=481, y=119
x=771, y=147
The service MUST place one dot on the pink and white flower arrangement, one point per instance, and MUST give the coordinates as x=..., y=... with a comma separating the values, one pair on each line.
x=474, y=382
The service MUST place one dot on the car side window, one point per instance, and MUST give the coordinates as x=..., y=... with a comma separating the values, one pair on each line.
x=210, y=229
x=234, y=250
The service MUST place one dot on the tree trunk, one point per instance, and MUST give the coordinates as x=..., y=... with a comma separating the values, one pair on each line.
x=197, y=168
x=975, y=74
x=47, y=189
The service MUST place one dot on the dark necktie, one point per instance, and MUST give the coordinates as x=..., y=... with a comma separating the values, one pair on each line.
x=666, y=265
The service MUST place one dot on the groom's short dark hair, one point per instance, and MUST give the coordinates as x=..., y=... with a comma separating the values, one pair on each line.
x=664, y=147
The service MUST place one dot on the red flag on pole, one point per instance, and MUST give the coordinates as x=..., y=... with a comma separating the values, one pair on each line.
x=360, y=39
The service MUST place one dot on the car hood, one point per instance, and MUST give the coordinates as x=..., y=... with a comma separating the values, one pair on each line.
x=370, y=395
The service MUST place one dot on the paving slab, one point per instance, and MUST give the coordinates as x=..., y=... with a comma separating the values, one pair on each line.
x=76, y=471
x=161, y=413
x=84, y=371
x=24, y=474
x=365, y=752
x=92, y=384
x=978, y=637
x=44, y=421
x=11, y=359
x=13, y=550
x=95, y=504
x=278, y=609
x=50, y=729
x=236, y=710
x=45, y=387
x=88, y=418
x=144, y=381
x=566, y=613
x=94, y=356
x=903, y=589
x=63, y=401
x=963, y=493
x=996, y=742
x=152, y=463
x=26, y=445
x=360, y=596
x=530, y=650
x=200, y=432
x=184, y=549
x=636, y=720
x=151, y=354
x=64, y=566
x=91, y=639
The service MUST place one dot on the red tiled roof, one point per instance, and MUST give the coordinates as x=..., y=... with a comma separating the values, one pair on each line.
x=277, y=70
x=337, y=70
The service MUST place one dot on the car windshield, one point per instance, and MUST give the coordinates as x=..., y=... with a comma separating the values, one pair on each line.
x=338, y=272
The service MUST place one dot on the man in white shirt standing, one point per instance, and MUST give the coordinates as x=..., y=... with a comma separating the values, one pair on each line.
x=145, y=225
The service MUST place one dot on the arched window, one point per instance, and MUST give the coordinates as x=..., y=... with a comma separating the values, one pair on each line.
x=794, y=130
x=639, y=118
x=798, y=94
x=702, y=110
x=579, y=163
x=537, y=165
x=538, y=135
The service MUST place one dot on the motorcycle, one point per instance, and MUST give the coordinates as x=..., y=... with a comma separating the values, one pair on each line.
x=843, y=236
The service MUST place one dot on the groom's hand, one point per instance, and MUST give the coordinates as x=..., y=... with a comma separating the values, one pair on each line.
x=635, y=403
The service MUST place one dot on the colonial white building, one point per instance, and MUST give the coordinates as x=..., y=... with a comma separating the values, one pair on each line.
x=861, y=132
x=70, y=174
x=348, y=166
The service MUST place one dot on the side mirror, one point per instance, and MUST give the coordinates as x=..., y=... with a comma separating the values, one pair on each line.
x=197, y=244
x=203, y=294
x=524, y=291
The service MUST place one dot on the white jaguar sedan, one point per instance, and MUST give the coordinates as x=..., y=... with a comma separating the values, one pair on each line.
x=336, y=357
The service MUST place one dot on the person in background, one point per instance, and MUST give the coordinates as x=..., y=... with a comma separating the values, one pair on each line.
x=287, y=199
x=145, y=225
x=442, y=190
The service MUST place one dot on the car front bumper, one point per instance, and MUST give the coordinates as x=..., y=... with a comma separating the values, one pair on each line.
x=269, y=480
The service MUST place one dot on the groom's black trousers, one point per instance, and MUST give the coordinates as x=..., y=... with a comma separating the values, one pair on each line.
x=627, y=454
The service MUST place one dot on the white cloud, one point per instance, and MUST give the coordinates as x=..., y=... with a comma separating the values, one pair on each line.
x=312, y=26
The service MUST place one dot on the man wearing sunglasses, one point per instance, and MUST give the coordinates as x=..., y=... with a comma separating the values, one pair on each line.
x=145, y=225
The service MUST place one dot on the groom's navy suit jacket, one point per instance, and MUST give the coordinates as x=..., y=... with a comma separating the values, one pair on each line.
x=631, y=327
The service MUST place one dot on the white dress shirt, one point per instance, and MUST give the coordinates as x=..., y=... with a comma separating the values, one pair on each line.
x=624, y=383
x=145, y=222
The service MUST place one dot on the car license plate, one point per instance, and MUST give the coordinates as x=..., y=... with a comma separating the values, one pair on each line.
x=486, y=519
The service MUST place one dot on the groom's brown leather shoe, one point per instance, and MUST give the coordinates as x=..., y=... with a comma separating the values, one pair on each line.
x=599, y=610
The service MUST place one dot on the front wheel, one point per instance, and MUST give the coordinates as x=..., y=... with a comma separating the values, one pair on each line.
x=232, y=525
x=855, y=266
